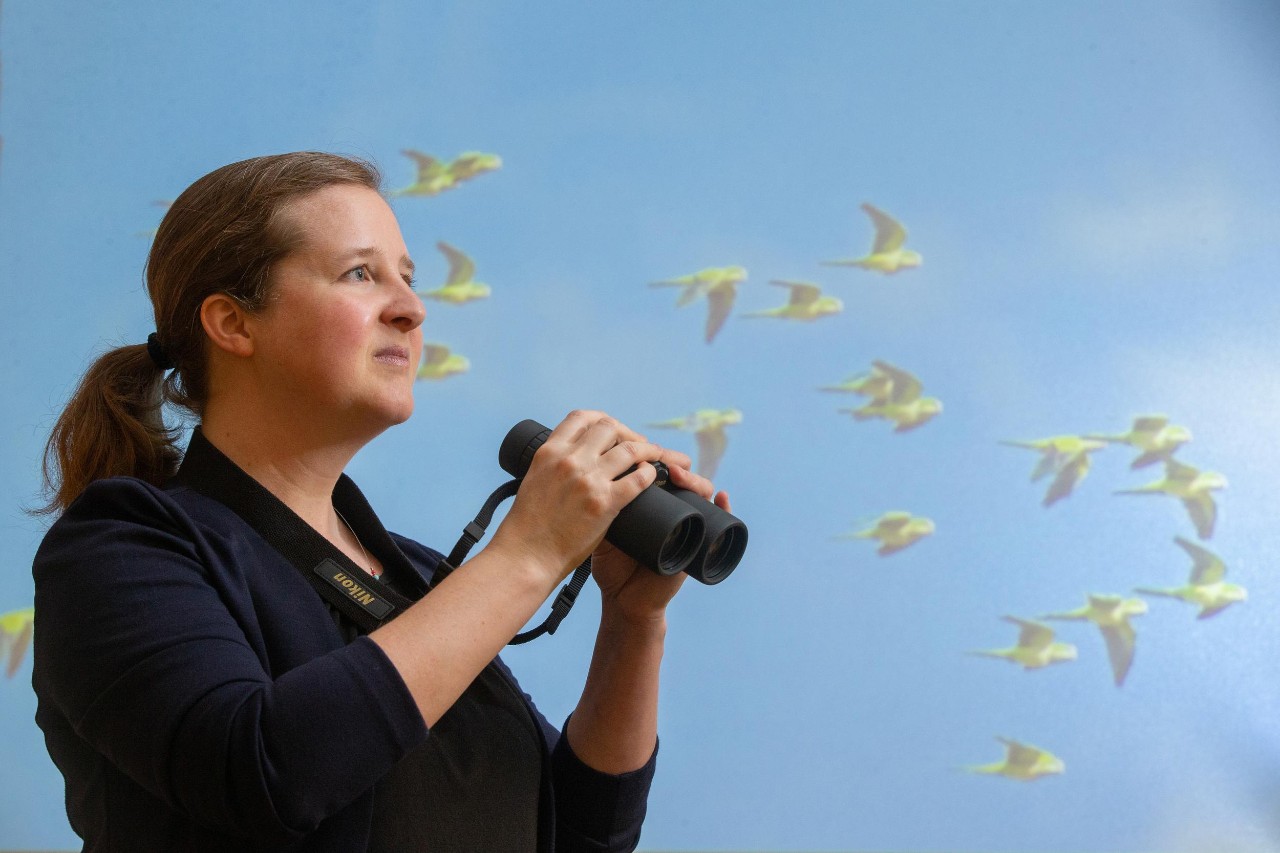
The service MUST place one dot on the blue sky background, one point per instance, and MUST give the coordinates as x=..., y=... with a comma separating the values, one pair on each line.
x=1093, y=187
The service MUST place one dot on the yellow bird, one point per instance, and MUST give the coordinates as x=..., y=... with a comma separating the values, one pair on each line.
x=1022, y=762
x=438, y=362
x=1111, y=613
x=460, y=286
x=805, y=303
x=903, y=403
x=1066, y=456
x=1036, y=647
x=895, y=530
x=1191, y=486
x=15, y=637
x=435, y=177
x=718, y=284
x=887, y=253
x=1154, y=436
x=708, y=426
x=1206, y=588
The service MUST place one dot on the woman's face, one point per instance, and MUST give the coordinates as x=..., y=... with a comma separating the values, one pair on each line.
x=340, y=338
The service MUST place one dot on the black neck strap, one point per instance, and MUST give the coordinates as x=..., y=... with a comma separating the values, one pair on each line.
x=474, y=532
x=364, y=600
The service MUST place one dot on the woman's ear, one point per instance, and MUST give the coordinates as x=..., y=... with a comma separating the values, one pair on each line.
x=225, y=323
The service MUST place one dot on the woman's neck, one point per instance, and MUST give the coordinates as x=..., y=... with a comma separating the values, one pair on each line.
x=298, y=467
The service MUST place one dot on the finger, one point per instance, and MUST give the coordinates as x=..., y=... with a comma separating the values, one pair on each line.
x=602, y=435
x=683, y=478
x=627, y=454
x=570, y=430
x=627, y=487
x=676, y=459
x=722, y=501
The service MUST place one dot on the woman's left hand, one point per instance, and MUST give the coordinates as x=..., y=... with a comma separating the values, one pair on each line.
x=630, y=591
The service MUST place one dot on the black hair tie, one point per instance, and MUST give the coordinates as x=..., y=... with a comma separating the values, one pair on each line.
x=157, y=353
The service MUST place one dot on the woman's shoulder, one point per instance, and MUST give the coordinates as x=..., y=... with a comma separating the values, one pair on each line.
x=131, y=499
x=127, y=509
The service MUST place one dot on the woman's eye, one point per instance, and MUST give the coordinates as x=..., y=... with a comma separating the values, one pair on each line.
x=360, y=273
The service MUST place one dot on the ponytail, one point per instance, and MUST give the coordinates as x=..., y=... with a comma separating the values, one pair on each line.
x=221, y=235
x=111, y=427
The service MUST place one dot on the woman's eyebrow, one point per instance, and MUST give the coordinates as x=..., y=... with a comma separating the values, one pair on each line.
x=365, y=252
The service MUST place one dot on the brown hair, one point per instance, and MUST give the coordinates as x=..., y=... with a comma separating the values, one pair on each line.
x=220, y=236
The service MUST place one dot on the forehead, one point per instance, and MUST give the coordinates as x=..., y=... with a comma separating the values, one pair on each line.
x=338, y=218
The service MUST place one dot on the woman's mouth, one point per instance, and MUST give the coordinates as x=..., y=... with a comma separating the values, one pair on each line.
x=394, y=356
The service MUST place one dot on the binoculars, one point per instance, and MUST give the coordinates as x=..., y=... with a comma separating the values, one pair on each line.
x=665, y=528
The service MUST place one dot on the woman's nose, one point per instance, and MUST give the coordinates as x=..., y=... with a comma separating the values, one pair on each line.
x=406, y=311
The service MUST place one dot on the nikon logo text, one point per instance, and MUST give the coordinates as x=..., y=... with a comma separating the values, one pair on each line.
x=354, y=589
x=338, y=578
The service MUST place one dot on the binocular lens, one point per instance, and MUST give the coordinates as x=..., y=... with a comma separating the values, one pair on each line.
x=723, y=555
x=680, y=546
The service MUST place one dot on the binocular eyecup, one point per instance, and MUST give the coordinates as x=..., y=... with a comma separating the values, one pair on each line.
x=665, y=528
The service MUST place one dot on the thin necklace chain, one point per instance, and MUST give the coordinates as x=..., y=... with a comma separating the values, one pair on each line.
x=368, y=564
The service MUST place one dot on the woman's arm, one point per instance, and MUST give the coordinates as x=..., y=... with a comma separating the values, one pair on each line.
x=574, y=488
x=615, y=726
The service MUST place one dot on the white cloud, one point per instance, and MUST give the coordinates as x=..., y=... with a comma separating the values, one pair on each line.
x=1151, y=224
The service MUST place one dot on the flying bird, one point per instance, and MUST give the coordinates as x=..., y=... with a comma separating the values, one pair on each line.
x=708, y=426
x=887, y=253
x=1065, y=456
x=1111, y=613
x=901, y=403
x=438, y=362
x=895, y=530
x=1191, y=486
x=1206, y=588
x=435, y=177
x=1036, y=647
x=805, y=303
x=1154, y=436
x=1022, y=762
x=460, y=286
x=15, y=637
x=718, y=284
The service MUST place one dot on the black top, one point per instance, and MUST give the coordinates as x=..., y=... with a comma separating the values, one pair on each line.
x=198, y=695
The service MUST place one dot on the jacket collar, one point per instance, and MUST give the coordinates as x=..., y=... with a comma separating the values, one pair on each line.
x=207, y=470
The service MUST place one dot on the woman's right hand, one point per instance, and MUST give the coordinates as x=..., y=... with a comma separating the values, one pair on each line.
x=573, y=490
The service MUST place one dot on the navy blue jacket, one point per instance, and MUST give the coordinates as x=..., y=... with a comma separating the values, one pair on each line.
x=197, y=694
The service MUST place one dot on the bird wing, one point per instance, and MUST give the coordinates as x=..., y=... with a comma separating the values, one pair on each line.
x=1021, y=756
x=434, y=355
x=1180, y=472
x=1120, y=645
x=1208, y=567
x=711, y=446
x=802, y=292
x=1034, y=635
x=906, y=387
x=1149, y=423
x=892, y=522
x=461, y=268
x=720, y=303
x=428, y=166
x=18, y=648
x=1203, y=512
x=1048, y=464
x=1069, y=476
x=890, y=234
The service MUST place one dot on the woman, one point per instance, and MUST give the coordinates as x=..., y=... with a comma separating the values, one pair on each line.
x=195, y=690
